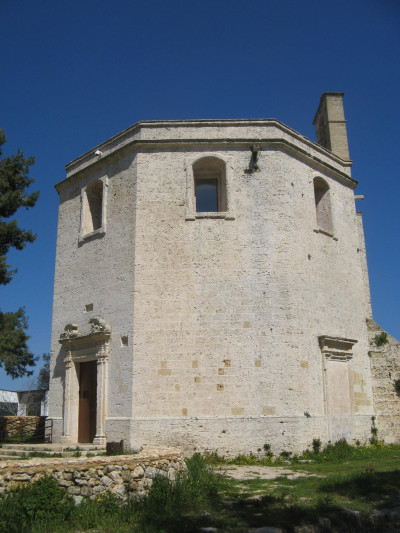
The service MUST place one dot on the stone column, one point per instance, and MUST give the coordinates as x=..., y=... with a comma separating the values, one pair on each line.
x=102, y=367
x=66, y=436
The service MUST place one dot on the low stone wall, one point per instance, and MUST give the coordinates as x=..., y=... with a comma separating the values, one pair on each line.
x=122, y=475
x=21, y=426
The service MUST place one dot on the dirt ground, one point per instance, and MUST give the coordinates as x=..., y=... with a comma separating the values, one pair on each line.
x=259, y=472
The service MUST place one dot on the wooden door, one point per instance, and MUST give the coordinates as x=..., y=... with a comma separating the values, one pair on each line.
x=87, y=401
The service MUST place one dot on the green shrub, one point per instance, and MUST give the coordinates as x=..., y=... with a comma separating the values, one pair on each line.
x=285, y=455
x=242, y=460
x=170, y=504
x=212, y=458
x=316, y=446
x=41, y=506
x=106, y=511
x=338, y=451
x=397, y=386
x=374, y=431
x=381, y=339
x=267, y=450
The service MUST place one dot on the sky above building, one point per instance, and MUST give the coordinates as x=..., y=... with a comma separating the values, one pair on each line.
x=75, y=73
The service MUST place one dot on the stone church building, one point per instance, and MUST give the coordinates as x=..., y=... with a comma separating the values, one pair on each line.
x=211, y=291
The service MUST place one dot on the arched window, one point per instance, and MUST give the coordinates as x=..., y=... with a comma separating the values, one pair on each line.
x=323, y=205
x=209, y=185
x=92, y=212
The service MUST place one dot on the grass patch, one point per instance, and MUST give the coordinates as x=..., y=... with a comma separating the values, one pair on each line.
x=363, y=482
x=186, y=503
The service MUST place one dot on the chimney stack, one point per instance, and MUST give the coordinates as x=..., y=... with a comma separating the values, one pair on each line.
x=330, y=125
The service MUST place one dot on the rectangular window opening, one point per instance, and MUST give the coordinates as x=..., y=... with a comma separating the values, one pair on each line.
x=206, y=191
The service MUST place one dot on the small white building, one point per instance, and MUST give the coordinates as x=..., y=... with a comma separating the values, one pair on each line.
x=24, y=403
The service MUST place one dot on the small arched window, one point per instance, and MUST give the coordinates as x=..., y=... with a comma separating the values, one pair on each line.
x=323, y=205
x=92, y=212
x=209, y=185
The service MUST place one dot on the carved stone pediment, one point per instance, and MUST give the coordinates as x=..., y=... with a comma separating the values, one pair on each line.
x=98, y=325
x=336, y=347
x=70, y=331
x=97, y=331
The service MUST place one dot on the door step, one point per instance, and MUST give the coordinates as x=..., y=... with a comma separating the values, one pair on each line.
x=11, y=451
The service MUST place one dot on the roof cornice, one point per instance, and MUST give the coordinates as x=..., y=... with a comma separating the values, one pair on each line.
x=131, y=138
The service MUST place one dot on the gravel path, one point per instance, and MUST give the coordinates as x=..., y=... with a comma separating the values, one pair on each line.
x=260, y=472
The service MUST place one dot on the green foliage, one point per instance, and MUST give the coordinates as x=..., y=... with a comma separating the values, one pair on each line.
x=285, y=455
x=363, y=481
x=381, y=339
x=374, y=431
x=104, y=512
x=43, y=378
x=316, y=446
x=14, y=181
x=15, y=357
x=170, y=505
x=397, y=386
x=268, y=451
x=338, y=451
x=40, y=507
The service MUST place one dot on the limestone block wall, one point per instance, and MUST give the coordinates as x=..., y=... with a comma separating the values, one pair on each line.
x=221, y=314
x=229, y=311
x=124, y=475
x=94, y=277
x=385, y=370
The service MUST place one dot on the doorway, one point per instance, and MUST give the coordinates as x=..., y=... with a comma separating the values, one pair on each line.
x=87, y=401
x=338, y=399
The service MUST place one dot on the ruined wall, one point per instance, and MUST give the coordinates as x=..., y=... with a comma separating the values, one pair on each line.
x=385, y=370
x=123, y=475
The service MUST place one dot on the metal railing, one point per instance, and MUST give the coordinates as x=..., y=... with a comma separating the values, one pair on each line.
x=25, y=430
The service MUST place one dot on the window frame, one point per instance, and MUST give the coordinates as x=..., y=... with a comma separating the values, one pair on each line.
x=208, y=166
x=323, y=203
x=84, y=234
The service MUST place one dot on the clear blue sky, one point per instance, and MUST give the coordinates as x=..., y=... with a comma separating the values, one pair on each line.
x=74, y=73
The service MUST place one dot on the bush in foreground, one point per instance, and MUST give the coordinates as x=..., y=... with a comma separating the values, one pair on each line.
x=42, y=506
x=172, y=505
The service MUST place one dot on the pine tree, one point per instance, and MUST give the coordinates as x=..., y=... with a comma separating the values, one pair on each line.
x=15, y=356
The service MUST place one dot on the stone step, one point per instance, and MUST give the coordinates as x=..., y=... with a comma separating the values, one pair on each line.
x=31, y=447
x=9, y=451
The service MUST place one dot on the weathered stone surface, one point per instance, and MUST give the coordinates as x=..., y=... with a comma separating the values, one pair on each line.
x=77, y=499
x=385, y=369
x=86, y=491
x=138, y=472
x=21, y=477
x=120, y=490
x=74, y=490
x=82, y=479
x=244, y=294
x=115, y=476
x=152, y=472
x=64, y=483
